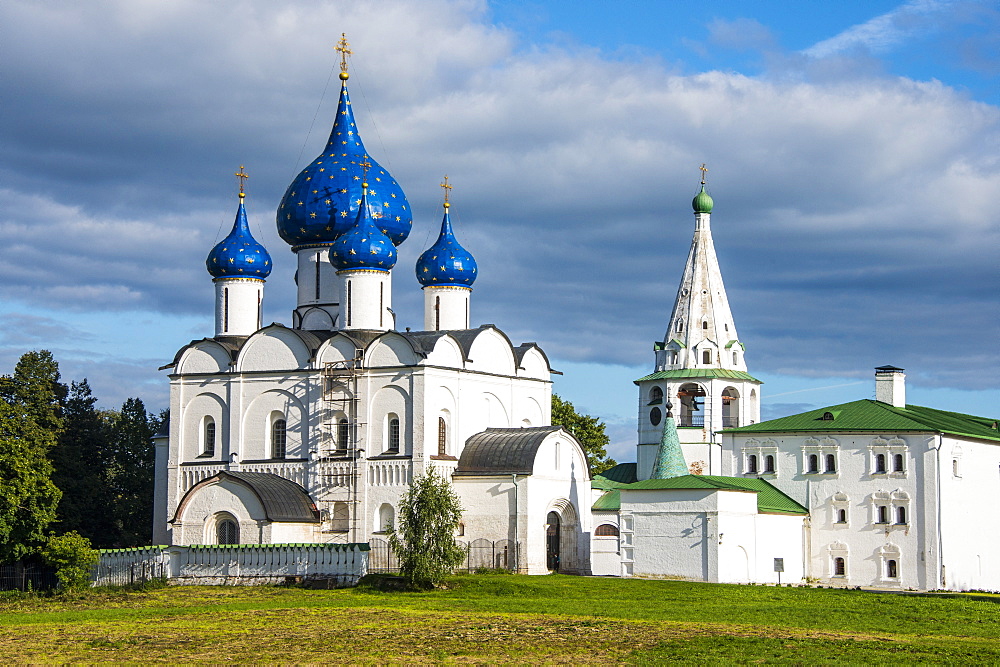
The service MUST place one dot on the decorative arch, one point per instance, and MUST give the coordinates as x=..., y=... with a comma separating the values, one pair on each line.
x=201, y=407
x=277, y=348
x=258, y=421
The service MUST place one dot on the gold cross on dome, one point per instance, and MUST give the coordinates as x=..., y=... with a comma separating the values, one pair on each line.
x=704, y=170
x=242, y=175
x=344, y=49
x=446, y=186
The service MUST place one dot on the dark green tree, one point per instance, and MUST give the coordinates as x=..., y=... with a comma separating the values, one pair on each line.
x=129, y=473
x=30, y=422
x=588, y=430
x=80, y=460
x=424, y=537
x=73, y=558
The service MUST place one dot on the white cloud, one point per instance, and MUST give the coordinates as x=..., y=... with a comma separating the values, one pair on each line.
x=884, y=31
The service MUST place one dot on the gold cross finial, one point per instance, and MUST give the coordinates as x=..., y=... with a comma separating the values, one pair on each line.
x=365, y=166
x=704, y=170
x=446, y=187
x=242, y=175
x=344, y=48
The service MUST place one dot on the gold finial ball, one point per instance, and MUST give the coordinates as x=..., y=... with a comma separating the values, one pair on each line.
x=344, y=76
x=364, y=185
x=242, y=195
x=447, y=205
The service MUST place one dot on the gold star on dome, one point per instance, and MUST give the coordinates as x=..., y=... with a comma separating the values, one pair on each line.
x=326, y=201
x=352, y=252
x=373, y=251
x=343, y=214
x=312, y=215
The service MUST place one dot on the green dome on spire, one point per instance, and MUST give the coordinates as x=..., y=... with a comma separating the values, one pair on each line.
x=702, y=203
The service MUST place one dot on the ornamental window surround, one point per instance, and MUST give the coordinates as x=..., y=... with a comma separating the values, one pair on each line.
x=887, y=457
x=889, y=557
x=760, y=457
x=821, y=457
x=840, y=504
x=837, y=560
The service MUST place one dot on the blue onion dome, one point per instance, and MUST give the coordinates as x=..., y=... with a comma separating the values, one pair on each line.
x=364, y=245
x=702, y=202
x=446, y=263
x=239, y=255
x=323, y=200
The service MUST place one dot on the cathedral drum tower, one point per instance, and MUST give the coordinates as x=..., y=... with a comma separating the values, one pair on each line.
x=700, y=365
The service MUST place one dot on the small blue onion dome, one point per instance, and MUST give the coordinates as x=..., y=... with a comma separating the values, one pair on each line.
x=446, y=263
x=702, y=202
x=323, y=200
x=363, y=246
x=239, y=255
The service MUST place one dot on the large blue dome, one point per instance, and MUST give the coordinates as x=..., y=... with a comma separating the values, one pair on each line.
x=446, y=263
x=323, y=200
x=363, y=246
x=239, y=255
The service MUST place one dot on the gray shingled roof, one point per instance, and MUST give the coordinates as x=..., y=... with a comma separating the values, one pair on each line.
x=498, y=451
x=282, y=499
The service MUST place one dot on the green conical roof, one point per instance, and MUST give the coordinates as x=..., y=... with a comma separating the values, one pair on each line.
x=669, y=457
x=702, y=203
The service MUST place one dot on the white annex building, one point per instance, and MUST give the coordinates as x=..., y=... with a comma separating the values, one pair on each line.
x=311, y=433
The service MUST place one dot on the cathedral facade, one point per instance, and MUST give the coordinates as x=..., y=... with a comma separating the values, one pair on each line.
x=313, y=432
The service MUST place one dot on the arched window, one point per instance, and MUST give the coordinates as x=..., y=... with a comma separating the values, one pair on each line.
x=460, y=530
x=813, y=463
x=891, y=569
x=227, y=532
x=841, y=516
x=704, y=325
x=341, y=519
x=839, y=567
x=680, y=326
x=897, y=463
x=882, y=514
x=880, y=463
x=752, y=463
x=735, y=358
x=901, y=515
x=278, y=441
x=769, y=463
x=392, y=436
x=831, y=463
x=209, y=438
x=692, y=402
x=706, y=356
x=606, y=530
x=343, y=434
x=442, y=437
x=386, y=518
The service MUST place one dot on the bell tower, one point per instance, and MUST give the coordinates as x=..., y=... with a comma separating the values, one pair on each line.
x=699, y=364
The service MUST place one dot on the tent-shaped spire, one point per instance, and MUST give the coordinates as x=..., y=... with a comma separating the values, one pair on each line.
x=669, y=458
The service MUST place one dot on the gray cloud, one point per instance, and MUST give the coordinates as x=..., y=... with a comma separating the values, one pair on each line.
x=855, y=217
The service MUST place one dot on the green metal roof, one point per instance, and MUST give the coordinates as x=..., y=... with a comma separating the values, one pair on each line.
x=699, y=373
x=868, y=416
x=615, y=477
x=769, y=499
x=612, y=500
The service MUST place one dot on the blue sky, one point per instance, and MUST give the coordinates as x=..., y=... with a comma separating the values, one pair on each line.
x=852, y=147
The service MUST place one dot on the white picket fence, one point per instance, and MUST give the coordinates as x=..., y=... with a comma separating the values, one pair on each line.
x=334, y=564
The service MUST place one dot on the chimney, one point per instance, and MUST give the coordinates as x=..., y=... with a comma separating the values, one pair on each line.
x=890, y=386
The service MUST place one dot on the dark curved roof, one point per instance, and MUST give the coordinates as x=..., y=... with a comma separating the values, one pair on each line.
x=522, y=350
x=498, y=451
x=282, y=499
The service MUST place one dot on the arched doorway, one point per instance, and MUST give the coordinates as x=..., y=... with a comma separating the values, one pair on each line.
x=730, y=407
x=552, y=541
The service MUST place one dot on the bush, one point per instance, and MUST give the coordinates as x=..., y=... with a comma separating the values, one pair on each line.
x=70, y=554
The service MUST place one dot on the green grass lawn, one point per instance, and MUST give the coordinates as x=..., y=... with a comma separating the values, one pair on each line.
x=503, y=618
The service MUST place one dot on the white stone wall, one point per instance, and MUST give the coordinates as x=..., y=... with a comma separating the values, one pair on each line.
x=446, y=308
x=366, y=300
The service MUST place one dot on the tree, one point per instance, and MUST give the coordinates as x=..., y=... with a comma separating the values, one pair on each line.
x=70, y=554
x=129, y=473
x=588, y=430
x=30, y=422
x=80, y=459
x=424, y=541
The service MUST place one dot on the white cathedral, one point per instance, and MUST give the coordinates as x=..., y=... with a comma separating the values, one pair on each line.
x=312, y=433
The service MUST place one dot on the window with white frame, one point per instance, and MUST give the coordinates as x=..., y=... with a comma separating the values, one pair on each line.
x=837, y=560
x=881, y=504
x=900, y=507
x=889, y=559
x=820, y=456
x=208, y=437
x=760, y=458
x=279, y=441
x=392, y=433
x=888, y=457
x=840, y=504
